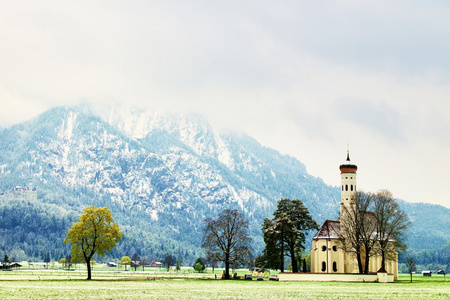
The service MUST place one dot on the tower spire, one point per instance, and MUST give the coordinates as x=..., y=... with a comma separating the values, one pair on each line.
x=348, y=152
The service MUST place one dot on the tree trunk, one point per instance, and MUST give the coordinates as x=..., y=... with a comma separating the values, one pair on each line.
x=282, y=252
x=88, y=264
x=294, y=262
x=366, y=264
x=360, y=266
x=383, y=261
x=227, y=266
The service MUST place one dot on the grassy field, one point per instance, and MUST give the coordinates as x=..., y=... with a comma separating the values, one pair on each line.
x=121, y=285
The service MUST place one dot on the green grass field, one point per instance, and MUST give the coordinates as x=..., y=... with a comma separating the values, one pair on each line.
x=130, y=285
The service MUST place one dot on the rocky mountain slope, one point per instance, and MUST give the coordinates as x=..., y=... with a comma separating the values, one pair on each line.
x=161, y=175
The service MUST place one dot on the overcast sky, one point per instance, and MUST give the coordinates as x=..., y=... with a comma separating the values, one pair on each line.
x=303, y=77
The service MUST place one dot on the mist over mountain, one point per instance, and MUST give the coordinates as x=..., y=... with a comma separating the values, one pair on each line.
x=160, y=174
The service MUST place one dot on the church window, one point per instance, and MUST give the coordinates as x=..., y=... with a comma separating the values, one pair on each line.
x=324, y=248
x=334, y=266
x=324, y=266
x=351, y=187
x=346, y=187
x=342, y=187
x=334, y=248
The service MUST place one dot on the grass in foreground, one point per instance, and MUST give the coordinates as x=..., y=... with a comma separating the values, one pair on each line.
x=179, y=288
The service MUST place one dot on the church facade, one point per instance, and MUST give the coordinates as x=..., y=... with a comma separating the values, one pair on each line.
x=328, y=255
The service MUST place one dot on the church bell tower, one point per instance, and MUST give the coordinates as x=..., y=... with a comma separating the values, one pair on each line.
x=348, y=183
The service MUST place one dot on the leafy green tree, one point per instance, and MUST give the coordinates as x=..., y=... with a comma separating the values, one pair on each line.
x=226, y=238
x=62, y=262
x=285, y=234
x=126, y=260
x=95, y=232
x=199, y=265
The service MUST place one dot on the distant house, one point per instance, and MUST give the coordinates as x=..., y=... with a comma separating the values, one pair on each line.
x=135, y=263
x=156, y=264
x=426, y=273
x=15, y=265
x=111, y=264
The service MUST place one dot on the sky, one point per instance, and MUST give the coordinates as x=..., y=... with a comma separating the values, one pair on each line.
x=307, y=78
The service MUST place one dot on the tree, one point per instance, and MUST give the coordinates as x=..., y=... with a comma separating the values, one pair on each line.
x=411, y=265
x=124, y=261
x=272, y=257
x=358, y=229
x=68, y=261
x=169, y=260
x=144, y=262
x=135, y=261
x=95, y=232
x=211, y=258
x=47, y=260
x=226, y=238
x=62, y=262
x=178, y=266
x=286, y=233
x=199, y=265
x=391, y=224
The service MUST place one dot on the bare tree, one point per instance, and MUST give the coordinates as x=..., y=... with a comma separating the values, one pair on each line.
x=144, y=262
x=391, y=225
x=358, y=229
x=411, y=265
x=226, y=239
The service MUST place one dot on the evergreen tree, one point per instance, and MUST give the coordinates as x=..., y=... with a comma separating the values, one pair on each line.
x=285, y=234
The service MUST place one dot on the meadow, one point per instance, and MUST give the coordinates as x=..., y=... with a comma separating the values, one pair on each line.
x=34, y=284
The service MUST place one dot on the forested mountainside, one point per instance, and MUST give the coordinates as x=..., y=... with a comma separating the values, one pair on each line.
x=161, y=176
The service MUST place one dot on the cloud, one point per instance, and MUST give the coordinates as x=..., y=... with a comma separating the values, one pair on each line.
x=378, y=118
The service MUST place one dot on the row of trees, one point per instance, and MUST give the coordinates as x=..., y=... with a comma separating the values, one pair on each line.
x=374, y=224
x=226, y=238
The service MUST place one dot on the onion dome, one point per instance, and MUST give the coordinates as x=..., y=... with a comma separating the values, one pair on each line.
x=348, y=167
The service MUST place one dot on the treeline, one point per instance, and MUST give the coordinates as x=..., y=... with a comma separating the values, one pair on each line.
x=429, y=259
x=32, y=231
x=35, y=231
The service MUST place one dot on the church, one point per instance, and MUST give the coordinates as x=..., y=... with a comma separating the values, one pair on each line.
x=328, y=255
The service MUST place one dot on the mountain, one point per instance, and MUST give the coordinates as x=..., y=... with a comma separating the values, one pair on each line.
x=160, y=174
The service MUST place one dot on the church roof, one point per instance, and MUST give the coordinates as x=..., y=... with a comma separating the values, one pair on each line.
x=329, y=230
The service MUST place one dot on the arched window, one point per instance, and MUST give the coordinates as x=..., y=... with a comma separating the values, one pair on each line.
x=334, y=266
x=324, y=248
x=334, y=248
x=342, y=187
x=351, y=187
x=324, y=266
x=346, y=187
